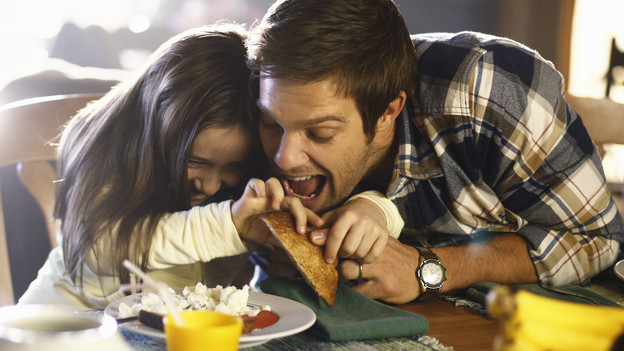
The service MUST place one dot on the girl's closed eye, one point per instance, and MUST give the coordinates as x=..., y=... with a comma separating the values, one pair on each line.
x=238, y=167
x=194, y=163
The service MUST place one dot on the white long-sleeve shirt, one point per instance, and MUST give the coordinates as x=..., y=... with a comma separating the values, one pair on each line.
x=183, y=243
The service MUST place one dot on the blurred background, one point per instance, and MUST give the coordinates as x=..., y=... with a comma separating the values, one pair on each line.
x=78, y=46
x=39, y=35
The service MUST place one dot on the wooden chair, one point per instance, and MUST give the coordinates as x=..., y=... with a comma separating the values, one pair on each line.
x=604, y=120
x=28, y=130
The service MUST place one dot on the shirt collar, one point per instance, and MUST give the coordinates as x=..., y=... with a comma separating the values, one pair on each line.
x=416, y=157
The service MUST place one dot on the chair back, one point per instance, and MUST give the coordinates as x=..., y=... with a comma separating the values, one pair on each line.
x=603, y=118
x=28, y=132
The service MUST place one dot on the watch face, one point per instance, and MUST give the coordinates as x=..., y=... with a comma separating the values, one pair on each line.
x=432, y=273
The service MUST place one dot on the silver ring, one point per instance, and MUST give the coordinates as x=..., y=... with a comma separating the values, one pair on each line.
x=361, y=272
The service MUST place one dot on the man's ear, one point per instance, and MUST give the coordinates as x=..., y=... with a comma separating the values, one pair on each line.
x=386, y=121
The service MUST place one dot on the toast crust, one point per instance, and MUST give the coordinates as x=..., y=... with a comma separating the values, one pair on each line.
x=308, y=258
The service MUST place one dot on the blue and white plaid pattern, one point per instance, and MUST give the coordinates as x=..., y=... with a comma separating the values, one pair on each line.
x=489, y=146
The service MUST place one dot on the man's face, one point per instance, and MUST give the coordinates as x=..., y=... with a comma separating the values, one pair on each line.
x=315, y=140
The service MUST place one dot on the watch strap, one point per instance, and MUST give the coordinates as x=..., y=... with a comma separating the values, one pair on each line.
x=426, y=254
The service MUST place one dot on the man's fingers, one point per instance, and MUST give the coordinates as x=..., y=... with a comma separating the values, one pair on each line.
x=350, y=270
x=368, y=286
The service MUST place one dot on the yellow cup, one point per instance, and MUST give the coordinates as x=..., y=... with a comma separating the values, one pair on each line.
x=204, y=330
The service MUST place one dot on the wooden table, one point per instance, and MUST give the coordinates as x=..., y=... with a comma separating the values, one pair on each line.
x=459, y=327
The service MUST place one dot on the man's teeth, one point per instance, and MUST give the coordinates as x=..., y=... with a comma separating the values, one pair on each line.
x=312, y=196
x=300, y=179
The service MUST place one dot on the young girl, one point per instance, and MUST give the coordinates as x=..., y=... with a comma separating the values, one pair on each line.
x=133, y=166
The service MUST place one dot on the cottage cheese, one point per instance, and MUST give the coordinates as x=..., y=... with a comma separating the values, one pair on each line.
x=228, y=300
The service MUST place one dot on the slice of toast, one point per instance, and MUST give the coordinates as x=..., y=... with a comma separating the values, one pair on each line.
x=308, y=258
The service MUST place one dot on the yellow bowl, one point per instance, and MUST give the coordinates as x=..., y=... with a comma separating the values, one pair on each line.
x=204, y=330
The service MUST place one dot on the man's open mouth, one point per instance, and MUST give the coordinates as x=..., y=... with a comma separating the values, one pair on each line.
x=306, y=187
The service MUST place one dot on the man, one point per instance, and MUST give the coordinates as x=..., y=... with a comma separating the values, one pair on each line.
x=469, y=135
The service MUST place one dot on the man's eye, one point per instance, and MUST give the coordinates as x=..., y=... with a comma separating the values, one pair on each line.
x=320, y=139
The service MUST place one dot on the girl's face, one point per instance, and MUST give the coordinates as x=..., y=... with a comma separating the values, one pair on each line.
x=220, y=157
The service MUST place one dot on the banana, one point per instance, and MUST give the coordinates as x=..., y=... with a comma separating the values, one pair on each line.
x=534, y=322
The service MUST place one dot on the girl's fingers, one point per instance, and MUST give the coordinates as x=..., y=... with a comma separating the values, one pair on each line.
x=319, y=236
x=294, y=206
x=257, y=187
x=301, y=214
x=275, y=192
x=375, y=251
x=335, y=239
x=314, y=219
x=356, y=244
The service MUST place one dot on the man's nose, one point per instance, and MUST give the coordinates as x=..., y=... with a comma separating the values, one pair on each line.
x=290, y=153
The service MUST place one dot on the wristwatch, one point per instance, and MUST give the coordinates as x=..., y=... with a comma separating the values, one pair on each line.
x=431, y=273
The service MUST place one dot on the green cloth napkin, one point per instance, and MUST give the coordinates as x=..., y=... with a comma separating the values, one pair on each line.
x=353, y=316
x=575, y=293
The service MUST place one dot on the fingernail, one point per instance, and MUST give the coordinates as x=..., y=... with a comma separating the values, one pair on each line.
x=317, y=235
x=330, y=260
x=302, y=229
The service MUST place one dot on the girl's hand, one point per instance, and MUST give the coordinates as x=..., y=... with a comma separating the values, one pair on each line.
x=358, y=231
x=262, y=197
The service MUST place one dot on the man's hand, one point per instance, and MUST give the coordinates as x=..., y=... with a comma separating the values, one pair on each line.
x=391, y=278
x=502, y=259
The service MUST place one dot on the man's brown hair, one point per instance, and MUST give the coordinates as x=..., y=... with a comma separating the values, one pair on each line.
x=362, y=45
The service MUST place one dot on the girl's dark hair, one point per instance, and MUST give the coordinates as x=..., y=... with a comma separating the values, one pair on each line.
x=364, y=46
x=122, y=161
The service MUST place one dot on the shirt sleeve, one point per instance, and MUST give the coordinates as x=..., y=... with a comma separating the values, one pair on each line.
x=533, y=151
x=200, y=234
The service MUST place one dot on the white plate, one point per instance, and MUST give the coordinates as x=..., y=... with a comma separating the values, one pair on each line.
x=619, y=269
x=294, y=318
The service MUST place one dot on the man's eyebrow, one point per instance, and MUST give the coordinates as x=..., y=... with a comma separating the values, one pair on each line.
x=308, y=122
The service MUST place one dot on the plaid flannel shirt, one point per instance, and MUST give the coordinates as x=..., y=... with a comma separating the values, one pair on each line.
x=490, y=146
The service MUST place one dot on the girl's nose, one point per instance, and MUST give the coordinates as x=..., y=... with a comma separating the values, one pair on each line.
x=208, y=185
